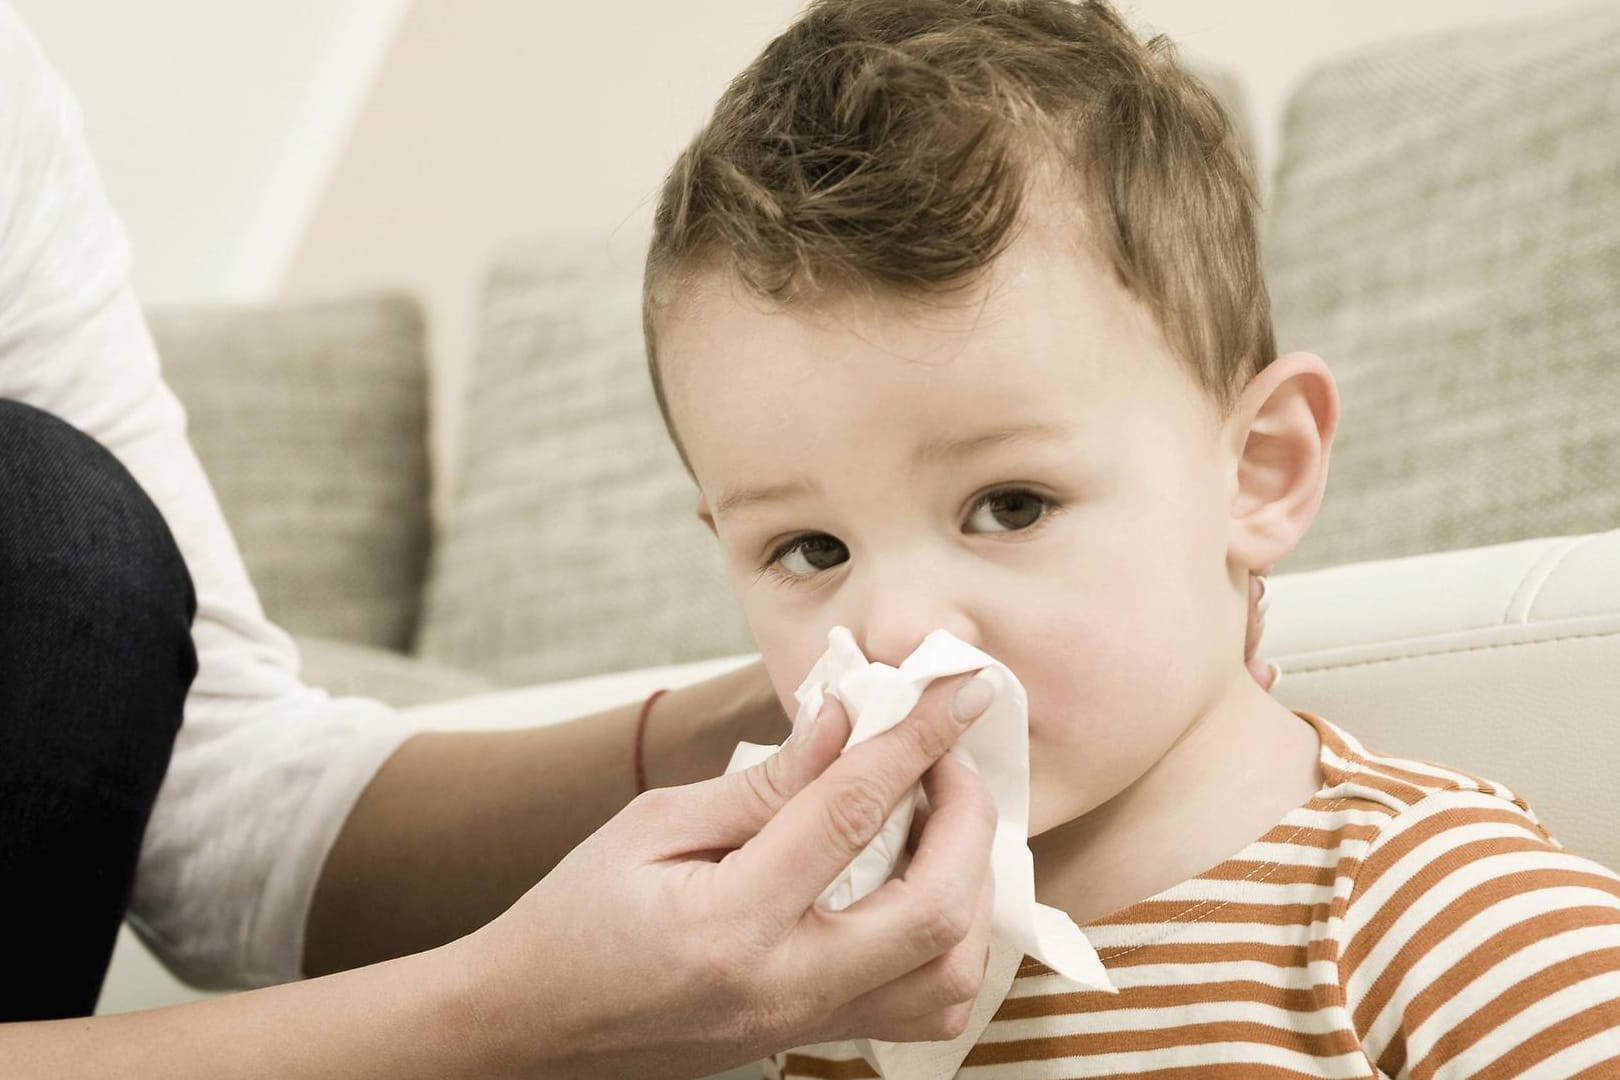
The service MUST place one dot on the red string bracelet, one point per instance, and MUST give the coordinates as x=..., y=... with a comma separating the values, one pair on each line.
x=641, y=734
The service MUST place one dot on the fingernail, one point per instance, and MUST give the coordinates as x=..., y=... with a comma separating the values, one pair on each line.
x=804, y=730
x=1264, y=603
x=1276, y=675
x=827, y=699
x=971, y=700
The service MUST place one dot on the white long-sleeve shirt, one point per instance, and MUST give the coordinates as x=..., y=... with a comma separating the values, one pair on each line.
x=265, y=769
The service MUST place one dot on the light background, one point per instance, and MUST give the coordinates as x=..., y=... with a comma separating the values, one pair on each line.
x=260, y=149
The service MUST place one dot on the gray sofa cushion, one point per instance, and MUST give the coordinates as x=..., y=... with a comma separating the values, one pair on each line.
x=1446, y=233
x=573, y=545
x=311, y=422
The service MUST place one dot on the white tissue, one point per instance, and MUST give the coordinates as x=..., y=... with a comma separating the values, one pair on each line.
x=876, y=697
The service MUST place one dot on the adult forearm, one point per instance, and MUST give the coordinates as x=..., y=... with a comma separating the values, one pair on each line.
x=457, y=825
x=400, y=1020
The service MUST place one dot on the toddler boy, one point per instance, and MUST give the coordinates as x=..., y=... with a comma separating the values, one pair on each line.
x=956, y=315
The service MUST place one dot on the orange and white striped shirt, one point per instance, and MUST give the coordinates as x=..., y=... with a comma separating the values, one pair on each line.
x=1408, y=921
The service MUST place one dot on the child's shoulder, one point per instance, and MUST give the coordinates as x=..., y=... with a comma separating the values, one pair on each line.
x=1391, y=796
x=1462, y=917
x=1411, y=832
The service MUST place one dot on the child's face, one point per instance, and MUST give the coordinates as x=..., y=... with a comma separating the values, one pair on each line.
x=1027, y=467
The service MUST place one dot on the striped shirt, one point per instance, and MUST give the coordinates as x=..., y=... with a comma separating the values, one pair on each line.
x=1408, y=921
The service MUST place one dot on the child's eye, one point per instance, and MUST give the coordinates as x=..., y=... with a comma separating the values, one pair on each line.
x=807, y=555
x=1007, y=511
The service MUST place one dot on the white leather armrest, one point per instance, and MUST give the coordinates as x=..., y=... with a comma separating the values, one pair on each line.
x=1501, y=661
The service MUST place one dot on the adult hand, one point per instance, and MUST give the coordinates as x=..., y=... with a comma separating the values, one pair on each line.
x=683, y=937
x=1264, y=672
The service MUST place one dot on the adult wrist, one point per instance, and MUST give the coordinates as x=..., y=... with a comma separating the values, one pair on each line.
x=500, y=1030
x=693, y=730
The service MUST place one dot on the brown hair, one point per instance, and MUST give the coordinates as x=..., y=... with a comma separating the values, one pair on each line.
x=891, y=143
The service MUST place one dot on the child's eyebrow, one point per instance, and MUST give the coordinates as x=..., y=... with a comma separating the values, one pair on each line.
x=736, y=500
x=958, y=446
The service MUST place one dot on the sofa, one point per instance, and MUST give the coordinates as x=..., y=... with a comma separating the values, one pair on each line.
x=1443, y=226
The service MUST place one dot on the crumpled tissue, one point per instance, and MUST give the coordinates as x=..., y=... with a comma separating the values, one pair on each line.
x=877, y=696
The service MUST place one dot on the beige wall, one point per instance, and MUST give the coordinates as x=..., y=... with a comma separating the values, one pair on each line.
x=214, y=123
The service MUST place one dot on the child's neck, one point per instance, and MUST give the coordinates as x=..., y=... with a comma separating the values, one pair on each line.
x=1231, y=777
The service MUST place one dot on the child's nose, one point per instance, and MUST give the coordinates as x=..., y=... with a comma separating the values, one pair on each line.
x=903, y=609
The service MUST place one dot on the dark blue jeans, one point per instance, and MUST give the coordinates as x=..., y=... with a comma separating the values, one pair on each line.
x=95, y=662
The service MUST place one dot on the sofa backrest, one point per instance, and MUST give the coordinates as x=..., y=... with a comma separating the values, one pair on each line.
x=311, y=421
x=1445, y=232
x=573, y=544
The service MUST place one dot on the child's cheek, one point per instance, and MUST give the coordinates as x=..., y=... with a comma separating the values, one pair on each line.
x=789, y=648
x=1076, y=679
x=1101, y=713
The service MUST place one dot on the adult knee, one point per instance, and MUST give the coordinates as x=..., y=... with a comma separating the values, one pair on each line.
x=95, y=599
x=96, y=660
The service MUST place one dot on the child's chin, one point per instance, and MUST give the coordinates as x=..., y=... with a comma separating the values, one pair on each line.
x=1061, y=787
x=1046, y=814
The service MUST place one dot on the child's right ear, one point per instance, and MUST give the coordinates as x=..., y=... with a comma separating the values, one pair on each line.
x=706, y=517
